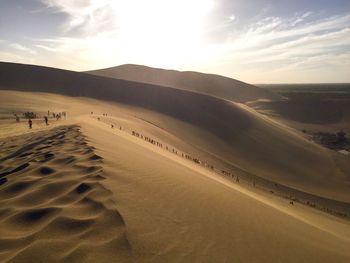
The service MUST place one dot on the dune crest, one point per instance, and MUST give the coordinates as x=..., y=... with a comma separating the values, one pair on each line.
x=210, y=84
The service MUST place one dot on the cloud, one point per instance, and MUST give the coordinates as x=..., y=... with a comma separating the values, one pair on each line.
x=22, y=48
x=276, y=38
x=102, y=33
x=85, y=17
x=15, y=57
x=299, y=19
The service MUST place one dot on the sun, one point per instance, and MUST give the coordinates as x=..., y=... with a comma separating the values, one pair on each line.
x=163, y=29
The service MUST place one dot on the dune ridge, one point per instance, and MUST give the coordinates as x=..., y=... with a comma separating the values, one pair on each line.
x=190, y=214
x=236, y=175
x=53, y=205
x=210, y=84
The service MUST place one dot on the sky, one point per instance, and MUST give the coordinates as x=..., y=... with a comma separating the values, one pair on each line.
x=257, y=41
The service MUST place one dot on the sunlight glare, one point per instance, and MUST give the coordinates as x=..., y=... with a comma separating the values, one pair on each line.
x=162, y=27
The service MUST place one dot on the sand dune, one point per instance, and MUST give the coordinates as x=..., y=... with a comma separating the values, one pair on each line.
x=158, y=205
x=53, y=206
x=234, y=135
x=145, y=204
x=176, y=211
x=214, y=85
x=304, y=111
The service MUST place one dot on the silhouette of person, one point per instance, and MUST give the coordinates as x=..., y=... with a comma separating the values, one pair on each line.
x=46, y=120
x=30, y=123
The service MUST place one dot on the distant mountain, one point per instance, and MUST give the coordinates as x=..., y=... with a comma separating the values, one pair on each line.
x=210, y=84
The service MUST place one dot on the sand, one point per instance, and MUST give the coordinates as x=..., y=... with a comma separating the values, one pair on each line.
x=178, y=212
x=53, y=205
x=210, y=84
x=140, y=202
x=82, y=190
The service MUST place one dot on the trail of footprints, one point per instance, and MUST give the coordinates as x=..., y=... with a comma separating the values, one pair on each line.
x=52, y=204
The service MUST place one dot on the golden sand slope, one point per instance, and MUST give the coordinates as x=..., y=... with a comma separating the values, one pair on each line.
x=177, y=211
x=52, y=204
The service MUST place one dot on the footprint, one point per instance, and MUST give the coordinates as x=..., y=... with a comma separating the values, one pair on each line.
x=3, y=180
x=15, y=188
x=49, y=155
x=46, y=170
x=35, y=215
x=82, y=188
x=95, y=157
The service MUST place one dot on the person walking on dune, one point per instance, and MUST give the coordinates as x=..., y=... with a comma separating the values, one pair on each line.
x=46, y=120
x=30, y=123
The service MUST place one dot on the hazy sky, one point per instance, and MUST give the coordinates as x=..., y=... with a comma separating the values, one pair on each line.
x=258, y=41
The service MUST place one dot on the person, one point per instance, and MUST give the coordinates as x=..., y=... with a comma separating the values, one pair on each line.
x=46, y=120
x=30, y=123
x=112, y=126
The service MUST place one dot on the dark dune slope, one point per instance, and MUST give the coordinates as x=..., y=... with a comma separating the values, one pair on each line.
x=179, y=104
x=214, y=85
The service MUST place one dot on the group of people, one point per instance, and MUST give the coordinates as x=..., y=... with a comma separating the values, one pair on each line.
x=58, y=116
x=32, y=115
x=184, y=155
x=188, y=157
x=147, y=139
x=232, y=176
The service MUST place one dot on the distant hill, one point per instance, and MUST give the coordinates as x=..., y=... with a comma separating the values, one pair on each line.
x=214, y=85
x=210, y=113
